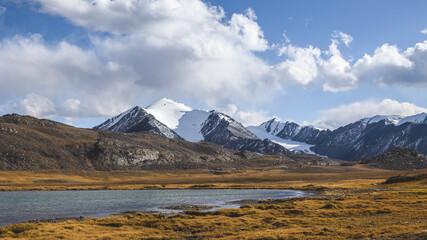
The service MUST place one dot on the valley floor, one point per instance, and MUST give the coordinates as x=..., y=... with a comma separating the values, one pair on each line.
x=352, y=203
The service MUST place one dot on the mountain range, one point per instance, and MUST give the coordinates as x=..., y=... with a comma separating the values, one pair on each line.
x=364, y=138
x=28, y=144
x=176, y=120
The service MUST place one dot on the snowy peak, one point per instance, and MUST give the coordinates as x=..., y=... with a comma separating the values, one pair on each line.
x=137, y=120
x=284, y=130
x=218, y=122
x=117, y=122
x=389, y=119
x=396, y=120
x=419, y=118
x=221, y=129
x=168, y=111
x=273, y=126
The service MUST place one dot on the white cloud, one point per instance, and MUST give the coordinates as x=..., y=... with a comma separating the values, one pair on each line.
x=229, y=109
x=337, y=71
x=390, y=66
x=37, y=106
x=28, y=65
x=2, y=10
x=345, y=38
x=424, y=31
x=345, y=114
x=251, y=118
x=306, y=65
x=285, y=38
x=68, y=121
x=164, y=47
x=246, y=118
x=301, y=65
x=180, y=48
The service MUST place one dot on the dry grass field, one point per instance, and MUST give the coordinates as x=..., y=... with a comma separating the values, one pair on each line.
x=352, y=203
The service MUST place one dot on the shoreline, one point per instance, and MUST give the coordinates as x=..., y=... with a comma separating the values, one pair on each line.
x=352, y=209
x=171, y=209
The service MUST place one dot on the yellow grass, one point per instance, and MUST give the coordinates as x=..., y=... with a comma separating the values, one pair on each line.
x=270, y=178
x=351, y=205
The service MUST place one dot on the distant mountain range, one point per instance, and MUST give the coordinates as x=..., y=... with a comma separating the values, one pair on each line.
x=364, y=138
x=176, y=120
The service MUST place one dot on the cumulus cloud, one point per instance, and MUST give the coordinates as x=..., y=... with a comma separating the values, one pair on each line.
x=162, y=47
x=301, y=65
x=27, y=64
x=229, y=109
x=336, y=71
x=180, y=48
x=345, y=114
x=37, y=106
x=251, y=118
x=305, y=65
x=388, y=65
x=424, y=31
x=246, y=118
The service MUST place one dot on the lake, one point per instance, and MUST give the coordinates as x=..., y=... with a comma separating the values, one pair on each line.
x=22, y=206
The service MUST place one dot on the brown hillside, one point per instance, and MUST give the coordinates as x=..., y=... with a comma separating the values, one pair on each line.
x=398, y=159
x=28, y=143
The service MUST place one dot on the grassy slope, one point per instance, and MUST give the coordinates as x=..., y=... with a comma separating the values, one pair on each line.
x=351, y=206
x=266, y=177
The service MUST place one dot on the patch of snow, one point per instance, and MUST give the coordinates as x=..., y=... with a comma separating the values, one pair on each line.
x=390, y=119
x=419, y=118
x=168, y=112
x=113, y=121
x=289, y=144
x=190, y=125
x=223, y=116
x=273, y=126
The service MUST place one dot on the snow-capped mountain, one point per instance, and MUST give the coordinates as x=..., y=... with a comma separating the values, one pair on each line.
x=168, y=111
x=136, y=120
x=274, y=129
x=364, y=138
x=176, y=120
x=227, y=132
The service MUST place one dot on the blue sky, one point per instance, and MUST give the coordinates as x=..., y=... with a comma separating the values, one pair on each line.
x=325, y=63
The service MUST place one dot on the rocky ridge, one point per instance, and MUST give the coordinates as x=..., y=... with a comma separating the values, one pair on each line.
x=28, y=143
x=364, y=138
x=397, y=158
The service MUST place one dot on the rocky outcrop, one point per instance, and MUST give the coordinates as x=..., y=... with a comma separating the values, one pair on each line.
x=398, y=159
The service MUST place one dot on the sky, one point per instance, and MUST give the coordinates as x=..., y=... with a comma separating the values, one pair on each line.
x=322, y=63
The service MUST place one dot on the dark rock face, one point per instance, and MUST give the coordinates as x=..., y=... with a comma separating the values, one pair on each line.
x=137, y=120
x=398, y=159
x=354, y=142
x=360, y=139
x=289, y=130
x=225, y=131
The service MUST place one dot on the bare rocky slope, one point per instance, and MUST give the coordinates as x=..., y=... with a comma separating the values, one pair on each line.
x=28, y=143
x=364, y=138
x=398, y=158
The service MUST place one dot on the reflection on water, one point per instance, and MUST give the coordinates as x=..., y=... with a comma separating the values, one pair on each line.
x=29, y=205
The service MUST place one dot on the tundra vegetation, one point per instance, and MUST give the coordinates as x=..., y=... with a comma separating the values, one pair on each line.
x=352, y=202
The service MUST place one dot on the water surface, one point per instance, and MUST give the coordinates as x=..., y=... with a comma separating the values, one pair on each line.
x=23, y=206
